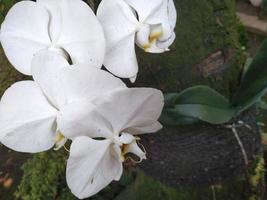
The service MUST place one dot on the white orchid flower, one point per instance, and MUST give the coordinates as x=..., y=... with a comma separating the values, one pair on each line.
x=103, y=133
x=29, y=109
x=148, y=23
x=67, y=25
x=256, y=3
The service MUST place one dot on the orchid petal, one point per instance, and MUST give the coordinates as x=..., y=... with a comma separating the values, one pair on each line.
x=121, y=60
x=151, y=128
x=133, y=79
x=135, y=149
x=55, y=24
x=172, y=13
x=82, y=35
x=83, y=82
x=163, y=32
x=45, y=69
x=126, y=138
x=117, y=153
x=166, y=44
x=27, y=120
x=145, y=8
x=91, y=166
x=23, y=33
x=60, y=141
x=142, y=37
x=80, y=118
x=168, y=19
x=256, y=3
x=136, y=107
x=120, y=37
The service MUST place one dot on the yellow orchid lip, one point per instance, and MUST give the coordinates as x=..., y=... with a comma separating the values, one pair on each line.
x=153, y=37
x=60, y=141
x=125, y=150
x=146, y=47
x=59, y=137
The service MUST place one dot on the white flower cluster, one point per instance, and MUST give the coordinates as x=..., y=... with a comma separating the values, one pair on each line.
x=62, y=44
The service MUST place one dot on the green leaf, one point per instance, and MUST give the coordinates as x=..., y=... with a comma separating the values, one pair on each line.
x=169, y=99
x=254, y=83
x=261, y=104
x=207, y=113
x=199, y=103
x=246, y=66
x=171, y=117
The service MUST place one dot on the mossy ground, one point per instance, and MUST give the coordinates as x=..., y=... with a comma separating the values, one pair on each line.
x=202, y=30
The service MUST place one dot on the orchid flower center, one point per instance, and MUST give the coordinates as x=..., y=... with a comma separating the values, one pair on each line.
x=59, y=50
x=155, y=35
x=60, y=140
x=139, y=26
x=127, y=143
x=148, y=35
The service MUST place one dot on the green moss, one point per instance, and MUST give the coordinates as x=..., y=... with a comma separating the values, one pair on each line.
x=203, y=28
x=149, y=189
x=257, y=178
x=8, y=74
x=146, y=188
x=43, y=176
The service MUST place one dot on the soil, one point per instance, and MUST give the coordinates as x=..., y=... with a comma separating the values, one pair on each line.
x=10, y=172
x=201, y=156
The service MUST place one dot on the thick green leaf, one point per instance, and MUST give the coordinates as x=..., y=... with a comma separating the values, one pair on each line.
x=169, y=99
x=203, y=95
x=199, y=103
x=254, y=83
x=246, y=66
x=171, y=117
x=207, y=113
x=261, y=104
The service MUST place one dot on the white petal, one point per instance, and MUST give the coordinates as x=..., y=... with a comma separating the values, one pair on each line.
x=166, y=44
x=80, y=118
x=142, y=37
x=120, y=25
x=117, y=153
x=126, y=138
x=91, y=166
x=256, y=3
x=84, y=82
x=82, y=35
x=135, y=149
x=145, y=8
x=46, y=66
x=158, y=14
x=23, y=33
x=121, y=59
x=172, y=13
x=153, y=34
x=27, y=120
x=166, y=18
x=136, y=107
x=151, y=128
x=133, y=79
x=55, y=23
x=60, y=141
